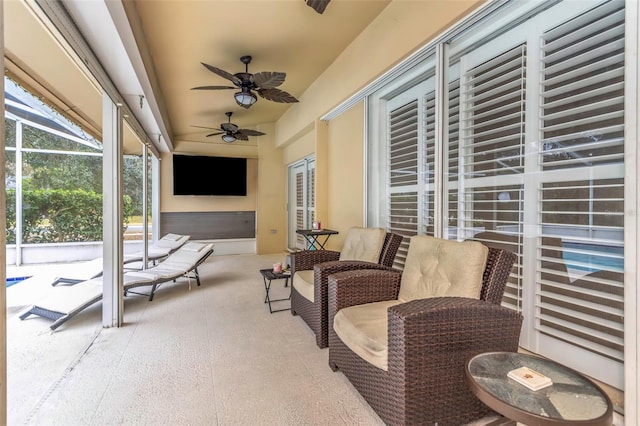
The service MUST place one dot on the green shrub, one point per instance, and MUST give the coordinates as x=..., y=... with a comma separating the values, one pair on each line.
x=59, y=215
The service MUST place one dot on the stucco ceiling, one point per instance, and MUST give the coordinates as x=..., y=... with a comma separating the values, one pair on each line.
x=172, y=38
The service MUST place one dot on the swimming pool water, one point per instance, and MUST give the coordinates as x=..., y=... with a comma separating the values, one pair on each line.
x=593, y=257
x=14, y=280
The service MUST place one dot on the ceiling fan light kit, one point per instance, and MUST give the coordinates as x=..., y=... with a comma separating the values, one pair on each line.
x=231, y=132
x=245, y=98
x=228, y=138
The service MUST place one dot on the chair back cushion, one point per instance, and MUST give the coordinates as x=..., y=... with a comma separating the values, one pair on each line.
x=437, y=268
x=364, y=244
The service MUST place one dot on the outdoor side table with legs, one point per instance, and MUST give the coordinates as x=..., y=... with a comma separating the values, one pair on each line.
x=267, y=276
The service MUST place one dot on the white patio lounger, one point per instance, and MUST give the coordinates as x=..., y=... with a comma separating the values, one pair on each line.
x=73, y=299
x=85, y=271
x=182, y=262
x=69, y=301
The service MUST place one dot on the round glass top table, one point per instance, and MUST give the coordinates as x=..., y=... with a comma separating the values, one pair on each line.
x=572, y=399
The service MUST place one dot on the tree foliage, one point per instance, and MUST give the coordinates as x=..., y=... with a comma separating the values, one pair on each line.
x=62, y=192
x=59, y=215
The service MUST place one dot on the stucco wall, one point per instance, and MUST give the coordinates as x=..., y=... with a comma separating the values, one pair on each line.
x=271, y=218
x=345, y=182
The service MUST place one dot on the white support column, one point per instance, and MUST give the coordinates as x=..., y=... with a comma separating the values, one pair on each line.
x=145, y=206
x=155, y=198
x=112, y=301
x=19, y=198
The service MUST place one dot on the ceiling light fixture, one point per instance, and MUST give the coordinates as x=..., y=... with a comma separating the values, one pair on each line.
x=245, y=98
x=228, y=138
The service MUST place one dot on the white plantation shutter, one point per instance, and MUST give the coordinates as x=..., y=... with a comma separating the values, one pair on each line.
x=582, y=113
x=300, y=207
x=311, y=193
x=301, y=200
x=486, y=140
x=429, y=164
x=403, y=174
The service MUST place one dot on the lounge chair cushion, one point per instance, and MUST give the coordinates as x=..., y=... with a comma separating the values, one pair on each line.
x=303, y=283
x=194, y=247
x=363, y=328
x=438, y=268
x=172, y=241
x=172, y=237
x=364, y=244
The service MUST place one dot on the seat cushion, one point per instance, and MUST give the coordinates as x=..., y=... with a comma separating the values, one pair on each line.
x=363, y=328
x=438, y=268
x=363, y=244
x=303, y=283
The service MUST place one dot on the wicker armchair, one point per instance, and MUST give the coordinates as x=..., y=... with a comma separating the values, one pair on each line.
x=427, y=342
x=323, y=263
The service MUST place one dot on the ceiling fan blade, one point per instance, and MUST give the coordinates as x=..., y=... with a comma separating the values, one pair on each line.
x=269, y=80
x=214, y=134
x=318, y=5
x=213, y=87
x=239, y=136
x=250, y=132
x=229, y=127
x=277, y=95
x=223, y=73
x=203, y=127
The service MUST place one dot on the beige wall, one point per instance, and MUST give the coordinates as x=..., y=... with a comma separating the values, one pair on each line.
x=345, y=183
x=272, y=206
x=303, y=146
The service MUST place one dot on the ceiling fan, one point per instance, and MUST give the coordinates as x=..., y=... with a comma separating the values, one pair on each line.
x=318, y=5
x=264, y=83
x=230, y=132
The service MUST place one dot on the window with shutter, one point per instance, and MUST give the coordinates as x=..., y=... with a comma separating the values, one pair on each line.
x=580, y=197
x=301, y=200
x=532, y=159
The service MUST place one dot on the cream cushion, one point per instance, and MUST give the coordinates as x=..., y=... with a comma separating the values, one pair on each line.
x=434, y=268
x=363, y=328
x=303, y=283
x=438, y=268
x=363, y=244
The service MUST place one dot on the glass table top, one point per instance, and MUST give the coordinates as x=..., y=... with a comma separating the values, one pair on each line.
x=572, y=398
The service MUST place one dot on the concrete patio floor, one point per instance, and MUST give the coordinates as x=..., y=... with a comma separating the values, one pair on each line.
x=209, y=355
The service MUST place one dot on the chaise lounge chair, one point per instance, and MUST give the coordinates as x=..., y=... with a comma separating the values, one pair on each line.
x=93, y=268
x=181, y=263
x=71, y=300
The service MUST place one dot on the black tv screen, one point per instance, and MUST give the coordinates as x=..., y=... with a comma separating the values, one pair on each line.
x=200, y=175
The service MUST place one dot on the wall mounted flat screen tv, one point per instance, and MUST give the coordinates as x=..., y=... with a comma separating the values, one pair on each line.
x=201, y=175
